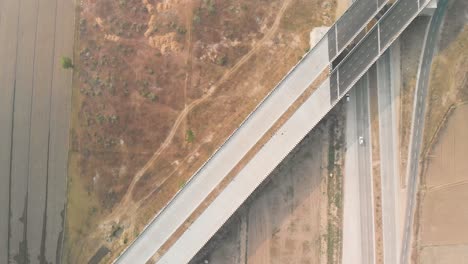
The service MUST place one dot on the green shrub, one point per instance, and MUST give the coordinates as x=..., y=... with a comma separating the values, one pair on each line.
x=66, y=63
x=190, y=136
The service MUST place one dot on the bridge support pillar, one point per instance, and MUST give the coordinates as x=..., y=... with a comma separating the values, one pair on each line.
x=429, y=9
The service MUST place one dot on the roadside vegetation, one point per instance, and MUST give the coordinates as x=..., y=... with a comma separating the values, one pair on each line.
x=334, y=190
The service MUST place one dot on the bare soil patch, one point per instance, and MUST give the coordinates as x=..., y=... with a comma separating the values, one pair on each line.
x=443, y=221
x=444, y=254
x=341, y=6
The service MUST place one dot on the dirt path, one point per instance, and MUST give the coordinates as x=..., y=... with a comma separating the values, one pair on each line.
x=127, y=199
x=188, y=63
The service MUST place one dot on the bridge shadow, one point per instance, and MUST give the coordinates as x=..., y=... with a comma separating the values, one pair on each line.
x=280, y=221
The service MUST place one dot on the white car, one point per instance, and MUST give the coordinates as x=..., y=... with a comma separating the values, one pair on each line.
x=347, y=97
x=361, y=140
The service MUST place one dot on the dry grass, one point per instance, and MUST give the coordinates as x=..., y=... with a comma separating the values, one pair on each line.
x=333, y=235
x=376, y=174
x=448, y=84
x=442, y=220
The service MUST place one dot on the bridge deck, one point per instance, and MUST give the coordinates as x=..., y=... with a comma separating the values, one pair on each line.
x=284, y=140
x=235, y=148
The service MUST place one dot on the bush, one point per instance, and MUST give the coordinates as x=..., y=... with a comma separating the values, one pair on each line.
x=66, y=63
x=190, y=137
x=221, y=60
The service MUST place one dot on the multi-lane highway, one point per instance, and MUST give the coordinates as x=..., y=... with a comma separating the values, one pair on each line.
x=358, y=229
x=418, y=123
x=352, y=235
x=354, y=20
x=365, y=170
x=34, y=113
x=402, y=13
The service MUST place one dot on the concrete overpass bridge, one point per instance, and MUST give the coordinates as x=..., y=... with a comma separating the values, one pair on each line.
x=343, y=55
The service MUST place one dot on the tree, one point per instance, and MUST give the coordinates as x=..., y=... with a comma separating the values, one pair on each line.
x=66, y=63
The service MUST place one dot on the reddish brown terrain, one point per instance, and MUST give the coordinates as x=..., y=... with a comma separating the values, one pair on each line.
x=158, y=86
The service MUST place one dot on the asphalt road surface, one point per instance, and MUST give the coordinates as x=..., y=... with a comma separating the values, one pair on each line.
x=34, y=112
x=418, y=122
x=402, y=12
x=332, y=44
x=388, y=160
x=358, y=61
x=388, y=28
x=358, y=222
x=365, y=170
x=352, y=235
x=353, y=20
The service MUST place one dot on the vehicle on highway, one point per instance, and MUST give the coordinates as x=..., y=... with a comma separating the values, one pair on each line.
x=361, y=140
x=347, y=97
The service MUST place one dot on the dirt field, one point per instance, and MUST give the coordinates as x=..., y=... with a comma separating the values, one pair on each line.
x=341, y=6
x=157, y=88
x=443, y=230
x=285, y=220
x=448, y=84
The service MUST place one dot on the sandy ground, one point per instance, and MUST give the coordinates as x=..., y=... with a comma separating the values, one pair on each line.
x=341, y=7
x=443, y=233
x=281, y=221
x=445, y=254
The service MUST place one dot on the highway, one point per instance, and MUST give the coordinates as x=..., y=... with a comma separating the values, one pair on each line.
x=172, y=216
x=352, y=237
x=34, y=111
x=358, y=220
x=351, y=23
x=367, y=51
x=388, y=157
x=359, y=60
x=364, y=165
x=416, y=136
x=353, y=20
x=402, y=13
